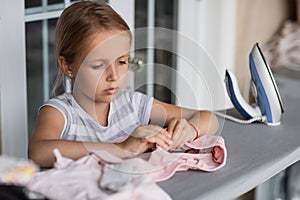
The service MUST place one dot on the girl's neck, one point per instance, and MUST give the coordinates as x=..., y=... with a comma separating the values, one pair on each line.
x=97, y=110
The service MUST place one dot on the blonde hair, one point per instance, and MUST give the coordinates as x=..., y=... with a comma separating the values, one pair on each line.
x=76, y=24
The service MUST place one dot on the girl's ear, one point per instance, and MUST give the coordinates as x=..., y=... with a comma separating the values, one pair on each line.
x=64, y=65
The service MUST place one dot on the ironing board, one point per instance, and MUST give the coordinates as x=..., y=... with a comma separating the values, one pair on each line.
x=256, y=153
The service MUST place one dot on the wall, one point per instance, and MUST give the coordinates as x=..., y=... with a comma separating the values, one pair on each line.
x=257, y=21
x=206, y=46
x=227, y=31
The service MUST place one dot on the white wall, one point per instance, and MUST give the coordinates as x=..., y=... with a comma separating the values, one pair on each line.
x=13, y=79
x=206, y=48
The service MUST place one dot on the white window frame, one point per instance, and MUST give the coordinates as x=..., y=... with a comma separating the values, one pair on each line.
x=13, y=99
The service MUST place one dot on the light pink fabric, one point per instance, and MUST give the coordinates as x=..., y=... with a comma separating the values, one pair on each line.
x=79, y=180
x=101, y=175
x=207, y=153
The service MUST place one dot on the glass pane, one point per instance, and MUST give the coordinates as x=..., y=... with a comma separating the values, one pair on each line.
x=32, y=3
x=140, y=19
x=54, y=1
x=38, y=7
x=53, y=66
x=104, y=1
x=35, y=70
x=165, y=17
x=34, y=64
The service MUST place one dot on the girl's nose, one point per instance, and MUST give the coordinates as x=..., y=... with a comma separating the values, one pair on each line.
x=112, y=72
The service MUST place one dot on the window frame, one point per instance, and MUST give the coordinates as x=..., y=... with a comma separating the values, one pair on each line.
x=13, y=99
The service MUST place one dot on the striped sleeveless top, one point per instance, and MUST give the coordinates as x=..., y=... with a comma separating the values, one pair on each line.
x=128, y=110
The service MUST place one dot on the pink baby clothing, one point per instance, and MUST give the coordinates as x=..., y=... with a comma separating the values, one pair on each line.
x=101, y=175
x=79, y=180
x=207, y=153
x=69, y=180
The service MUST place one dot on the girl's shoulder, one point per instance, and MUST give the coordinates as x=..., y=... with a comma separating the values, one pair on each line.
x=64, y=99
x=62, y=102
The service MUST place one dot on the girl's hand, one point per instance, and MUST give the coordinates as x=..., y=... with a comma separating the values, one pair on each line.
x=145, y=137
x=181, y=131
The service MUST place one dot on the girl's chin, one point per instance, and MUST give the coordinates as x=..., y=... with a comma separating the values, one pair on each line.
x=106, y=98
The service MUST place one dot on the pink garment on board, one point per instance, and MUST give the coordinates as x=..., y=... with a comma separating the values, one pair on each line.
x=207, y=153
x=79, y=180
x=101, y=175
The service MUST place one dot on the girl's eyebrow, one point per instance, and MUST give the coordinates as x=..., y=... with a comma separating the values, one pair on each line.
x=107, y=59
x=125, y=55
x=99, y=59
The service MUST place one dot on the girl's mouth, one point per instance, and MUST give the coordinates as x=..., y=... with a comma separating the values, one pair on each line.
x=111, y=91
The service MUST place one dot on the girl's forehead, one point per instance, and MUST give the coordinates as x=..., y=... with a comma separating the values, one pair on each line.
x=109, y=45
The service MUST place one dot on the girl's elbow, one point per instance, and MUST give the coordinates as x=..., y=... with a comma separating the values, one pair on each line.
x=38, y=155
x=33, y=154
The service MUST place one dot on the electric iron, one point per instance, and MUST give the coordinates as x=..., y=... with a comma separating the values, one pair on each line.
x=268, y=106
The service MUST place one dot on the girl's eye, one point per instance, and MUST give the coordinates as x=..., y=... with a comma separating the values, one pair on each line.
x=97, y=66
x=123, y=62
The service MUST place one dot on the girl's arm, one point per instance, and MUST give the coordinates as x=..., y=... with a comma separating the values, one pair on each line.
x=50, y=123
x=46, y=137
x=181, y=122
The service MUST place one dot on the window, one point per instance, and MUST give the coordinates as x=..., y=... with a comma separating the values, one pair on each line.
x=40, y=21
x=164, y=15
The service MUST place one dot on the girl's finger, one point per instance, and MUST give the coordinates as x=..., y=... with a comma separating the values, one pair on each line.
x=185, y=135
x=166, y=137
x=154, y=130
x=159, y=141
x=171, y=126
x=149, y=131
x=177, y=133
x=163, y=135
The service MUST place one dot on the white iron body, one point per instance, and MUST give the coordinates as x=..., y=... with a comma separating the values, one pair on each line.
x=264, y=89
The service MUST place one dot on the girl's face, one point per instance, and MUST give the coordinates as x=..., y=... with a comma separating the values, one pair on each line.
x=103, y=71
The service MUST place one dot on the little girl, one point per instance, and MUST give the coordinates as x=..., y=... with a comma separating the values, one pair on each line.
x=93, y=46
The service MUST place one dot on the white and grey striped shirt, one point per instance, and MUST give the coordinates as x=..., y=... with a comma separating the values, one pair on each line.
x=128, y=110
